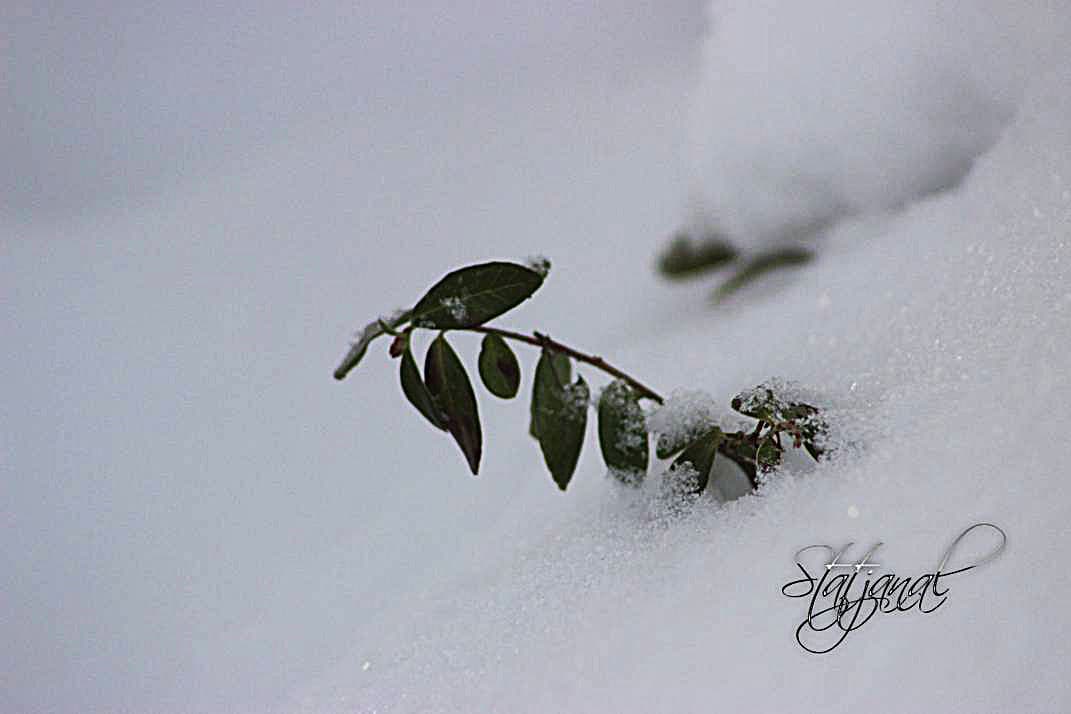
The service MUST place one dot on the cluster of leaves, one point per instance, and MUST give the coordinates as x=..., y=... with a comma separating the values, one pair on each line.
x=685, y=257
x=755, y=451
x=468, y=298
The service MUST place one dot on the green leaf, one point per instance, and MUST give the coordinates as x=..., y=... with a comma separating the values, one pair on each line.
x=684, y=257
x=552, y=372
x=762, y=403
x=697, y=460
x=768, y=455
x=813, y=431
x=471, y=296
x=451, y=391
x=759, y=403
x=799, y=420
x=667, y=445
x=563, y=421
x=417, y=392
x=761, y=265
x=499, y=370
x=623, y=433
x=371, y=331
x=743, y=452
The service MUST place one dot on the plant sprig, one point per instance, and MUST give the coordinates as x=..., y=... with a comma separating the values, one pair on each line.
x=466, y=299
x=685, y=257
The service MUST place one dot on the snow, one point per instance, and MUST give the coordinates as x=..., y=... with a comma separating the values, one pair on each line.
x=689, y=413
x=197, y=518
x=456, y=307
x=538, y=263
x=814, y=111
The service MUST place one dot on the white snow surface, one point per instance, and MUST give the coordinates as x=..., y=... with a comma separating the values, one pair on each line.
x=810, y=111
x=197, y=518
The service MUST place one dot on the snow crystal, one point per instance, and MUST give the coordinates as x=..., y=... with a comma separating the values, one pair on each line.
x=634, y=431
x=456, y=307
x=538, y=263
x=689, y=413
x=363, y=338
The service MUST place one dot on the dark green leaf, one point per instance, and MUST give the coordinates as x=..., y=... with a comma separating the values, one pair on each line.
x=563, y=418
x=623, y=433
x=667, y=445
x=800, y=421
x=695, y=462
x=758, y=403
x=815, y=451
x=813, y=432
x=499, y=370
x=360, y=346
x=552, y=372
x=684, y=257
x=471, y=296
x=417, y=392
x=762, y=403
x=451, y=391
x=740, y=449
x=761, y=265
x=768, y=455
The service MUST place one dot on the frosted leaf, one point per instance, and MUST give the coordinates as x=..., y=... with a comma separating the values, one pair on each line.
x=635, y=424
x=685, y=416
x=364, y=338
x=575, y=399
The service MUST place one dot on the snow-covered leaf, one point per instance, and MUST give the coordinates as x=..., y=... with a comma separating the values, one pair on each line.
x=698, y=459
x=370, y=332
x=622, y=433
x=559, y=418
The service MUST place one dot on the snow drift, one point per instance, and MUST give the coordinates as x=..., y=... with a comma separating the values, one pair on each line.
x=808, y=112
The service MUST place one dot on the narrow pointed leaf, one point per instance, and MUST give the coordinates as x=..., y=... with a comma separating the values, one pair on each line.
x=623, y=433
x=698, y=459
x=417, y=392
x=814, y=431
x=669, y=444
x=759, y=266
x=451, y=391
x=471, y=296
x=371, y=331
x=499, y=370
x=563, y=418
x=552, y=372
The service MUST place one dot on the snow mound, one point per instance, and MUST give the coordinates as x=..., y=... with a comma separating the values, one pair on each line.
x=809, y=112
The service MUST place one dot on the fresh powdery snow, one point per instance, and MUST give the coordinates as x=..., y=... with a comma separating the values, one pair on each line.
x=197, y=518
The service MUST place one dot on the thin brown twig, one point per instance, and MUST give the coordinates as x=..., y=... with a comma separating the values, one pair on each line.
x=538, y=339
